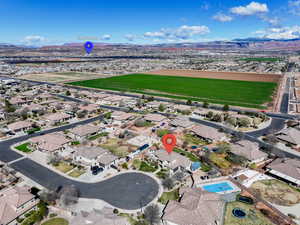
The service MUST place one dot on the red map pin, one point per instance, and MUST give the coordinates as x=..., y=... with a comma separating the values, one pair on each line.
x=169, y=141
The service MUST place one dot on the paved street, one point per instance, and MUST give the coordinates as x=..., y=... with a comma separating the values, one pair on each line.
x=126, y=191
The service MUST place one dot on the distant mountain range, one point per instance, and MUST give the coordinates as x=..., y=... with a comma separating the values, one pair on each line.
x=246, y=44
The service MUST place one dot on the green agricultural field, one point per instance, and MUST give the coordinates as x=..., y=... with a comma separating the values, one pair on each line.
x=261, y=59
x=231, y=92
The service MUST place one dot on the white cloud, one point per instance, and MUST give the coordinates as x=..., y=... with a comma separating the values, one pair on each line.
x=106, y=37
x=294, y=7
x=280, y=33
x=251, y=9
x=33, y=40
x=182, y=33
x=222, y=17
x=130, y=37
x=156, y=34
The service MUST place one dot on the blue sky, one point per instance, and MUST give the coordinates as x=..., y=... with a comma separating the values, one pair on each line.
x=45, y=22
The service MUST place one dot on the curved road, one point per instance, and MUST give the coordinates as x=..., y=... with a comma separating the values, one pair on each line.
x=126, y=191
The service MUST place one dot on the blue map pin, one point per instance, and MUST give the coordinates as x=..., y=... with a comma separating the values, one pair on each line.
x=88, y=47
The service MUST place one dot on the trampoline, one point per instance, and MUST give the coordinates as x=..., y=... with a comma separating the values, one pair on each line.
x=239, y=213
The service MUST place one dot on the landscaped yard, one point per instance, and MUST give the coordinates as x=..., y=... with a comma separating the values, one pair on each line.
x=189, y=155
x=192, y=140
x=276, y=192
x=56, y=221
x=166, y=196
x=146, y=167
x=261, y=59
x=64, y=167
x=231, y=92
x=253, y=216
x=76, y=173
x=116, y=147
x=219, y=160
x=24, y=147
x=97, y=136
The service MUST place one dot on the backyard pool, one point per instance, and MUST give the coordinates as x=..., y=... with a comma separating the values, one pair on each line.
x=221, y=187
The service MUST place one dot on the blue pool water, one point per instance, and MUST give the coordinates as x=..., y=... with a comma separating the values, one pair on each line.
x=218, y=187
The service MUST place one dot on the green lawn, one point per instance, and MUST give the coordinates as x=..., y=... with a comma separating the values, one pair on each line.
x=191, y=139
x=253, y=216
x=64, y=167
x=219, y=161
x=24, y=148
x=261, y=59
x=56, y=221
x=76, y=173
x=231, y=92
x=91, y=138
x=145, y=167
x=166, y=196
x=189, y=155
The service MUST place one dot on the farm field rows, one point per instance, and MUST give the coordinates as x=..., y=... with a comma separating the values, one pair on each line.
x=231, y=92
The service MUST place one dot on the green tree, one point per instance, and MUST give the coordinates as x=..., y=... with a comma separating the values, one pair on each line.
x=205, y=104
x=189, y=102
x=68, y=93
x=152, y=214
x=226, y=108
x=210, y=115
x=8, y=106
x=161, y=107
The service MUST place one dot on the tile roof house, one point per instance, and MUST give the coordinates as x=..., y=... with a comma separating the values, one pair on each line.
x=19, y=126
x=208, y=133
x=154, y=117
x=174, y=161
x=50, y=142
x=57, y=117
x=97, y=217
x=121, y=116
x=196, y=207
x=81, y=132
x=15, y=202
x=290, y=136
x=90, y=108
x=249, y=150
x=182, y=122
x=288, y=169
x=92, y=156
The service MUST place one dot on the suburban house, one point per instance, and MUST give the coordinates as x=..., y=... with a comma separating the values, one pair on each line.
x=121, y=116
x=207, y=133
x=142, y=140
x=286, y=169
x=155, y=118
x=19, y=126
x=90, y=108
x=18, y=101
x=58, y=117
x=174, y=161
x=196, y=207
x=80, y=133
x=94, y=156
x=52, y=142
x=182, y=122
x=249, y=150
x=97, y=217
x=14, y=203
x=289, y=136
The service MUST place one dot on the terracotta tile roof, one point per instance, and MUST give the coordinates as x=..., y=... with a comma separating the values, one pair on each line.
x=291, y=135
x=290, y=167
x=196, y=207
x=154, y=117
x=207, y=132
x=57, y=116
x=19, y=125
x=10, y=200
x=174, y=159
x=85, y=130
x=248, y=149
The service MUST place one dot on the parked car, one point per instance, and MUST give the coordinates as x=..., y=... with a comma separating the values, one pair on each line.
x=96, y=170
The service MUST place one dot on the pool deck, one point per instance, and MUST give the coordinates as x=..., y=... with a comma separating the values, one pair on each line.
x=218, y=181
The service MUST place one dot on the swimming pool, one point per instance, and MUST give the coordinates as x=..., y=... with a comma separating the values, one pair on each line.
x=218, y=187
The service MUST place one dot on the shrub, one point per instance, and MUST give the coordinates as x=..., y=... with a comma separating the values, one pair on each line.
x=115, y=211
x=53, y=215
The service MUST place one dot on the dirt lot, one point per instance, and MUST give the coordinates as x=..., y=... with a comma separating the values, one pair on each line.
x=220, y=75
x=276, y=192
x=61, y=77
